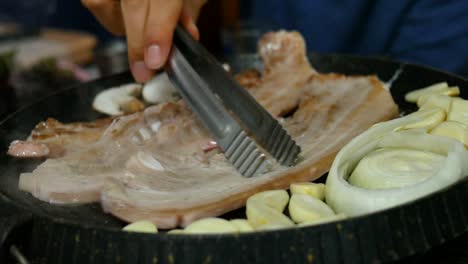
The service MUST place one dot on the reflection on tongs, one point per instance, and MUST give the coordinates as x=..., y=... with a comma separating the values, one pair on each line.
x=243, y=129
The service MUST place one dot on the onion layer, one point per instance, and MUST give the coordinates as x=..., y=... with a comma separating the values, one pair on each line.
x=395, y=167
x=343, y=197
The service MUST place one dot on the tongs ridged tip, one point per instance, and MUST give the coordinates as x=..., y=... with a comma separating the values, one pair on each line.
x=217, y=98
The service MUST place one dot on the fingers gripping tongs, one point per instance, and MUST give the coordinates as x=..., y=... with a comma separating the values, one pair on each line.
x=242, y=128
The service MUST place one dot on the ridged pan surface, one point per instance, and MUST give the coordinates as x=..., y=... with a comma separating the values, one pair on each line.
x=85, y=234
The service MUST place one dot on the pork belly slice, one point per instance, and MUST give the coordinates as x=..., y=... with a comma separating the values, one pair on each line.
x=333, y=110
x=79, y=176
x=154, y=165
x=56, y=181
x=286, y=71
x=52, y=138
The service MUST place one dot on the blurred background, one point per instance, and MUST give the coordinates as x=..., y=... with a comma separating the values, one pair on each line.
x=47, y=44
x=38, y=29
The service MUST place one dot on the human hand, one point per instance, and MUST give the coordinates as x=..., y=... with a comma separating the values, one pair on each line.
x=148, y=26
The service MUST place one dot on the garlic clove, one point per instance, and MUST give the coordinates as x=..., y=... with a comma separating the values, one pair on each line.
x=303, y=207
x=324, y=220
x=141, y=227
x=432, y=119
x=316, y=190
x=242, y=225
x=211, y=225
x=452, y=129
x=437, y=101
x=413, y=96
x=159, y=89
x=450, y=91
x=260, y=214
x=176, y=232
x=459, y=111
x=276, y=199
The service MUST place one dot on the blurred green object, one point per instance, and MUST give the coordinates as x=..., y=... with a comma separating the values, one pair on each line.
x=21, y=86
x=48, y=68
x=6, y=65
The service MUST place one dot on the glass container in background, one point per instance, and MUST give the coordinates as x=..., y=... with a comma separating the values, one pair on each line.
x=112, y=58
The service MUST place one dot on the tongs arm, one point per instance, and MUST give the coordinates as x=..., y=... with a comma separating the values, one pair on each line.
x=224, y=107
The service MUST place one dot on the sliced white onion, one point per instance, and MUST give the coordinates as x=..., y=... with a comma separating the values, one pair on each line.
x=395, y=167
x=351, y=200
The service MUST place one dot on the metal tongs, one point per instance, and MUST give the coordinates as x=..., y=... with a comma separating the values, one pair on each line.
x=242, y=128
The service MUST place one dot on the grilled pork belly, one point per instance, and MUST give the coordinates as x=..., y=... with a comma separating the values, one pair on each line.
x=161, y=164
x=53, y=139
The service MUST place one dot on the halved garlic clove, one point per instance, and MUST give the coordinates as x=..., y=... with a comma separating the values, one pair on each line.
x=142, y=227
x=433, y=118
x=176, y=232
x=276, y=199
x=437, y=101
x=260, y=214
x=211, y=225
x=450, y=91
x=303, y=208
x=271, y=227
x=159, y=89
x=242, y=225
x=459, y=111
x=316, y=190
x=113, y=100
x=452, y=129
x=324, y=220
x=413, y=96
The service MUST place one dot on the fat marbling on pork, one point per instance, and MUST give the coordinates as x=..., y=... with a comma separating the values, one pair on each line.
x=155, y=164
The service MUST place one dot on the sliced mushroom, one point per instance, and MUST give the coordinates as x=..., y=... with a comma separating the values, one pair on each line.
x=132, y=106
x=119, y=100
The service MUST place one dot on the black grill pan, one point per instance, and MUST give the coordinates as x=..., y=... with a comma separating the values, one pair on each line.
x=84, y=234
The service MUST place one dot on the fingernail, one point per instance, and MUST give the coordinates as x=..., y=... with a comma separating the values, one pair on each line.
x=141, y=72
x=194, y=29
x=153, y=57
